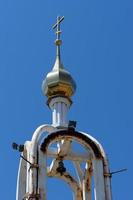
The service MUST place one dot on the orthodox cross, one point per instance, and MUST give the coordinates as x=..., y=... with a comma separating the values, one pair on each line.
x=57, y=26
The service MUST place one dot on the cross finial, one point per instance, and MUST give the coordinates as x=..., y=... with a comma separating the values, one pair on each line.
x=58, y=31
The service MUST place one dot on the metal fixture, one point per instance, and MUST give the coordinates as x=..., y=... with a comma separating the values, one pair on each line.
x=17, y=147
x=61, y=169
x=72, y=124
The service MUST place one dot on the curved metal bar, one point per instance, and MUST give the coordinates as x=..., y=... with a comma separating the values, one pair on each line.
x=37, y=134
x=71, y=182
x=107, y=179
x=89, y=142
x=78, y=136
x=33, y=155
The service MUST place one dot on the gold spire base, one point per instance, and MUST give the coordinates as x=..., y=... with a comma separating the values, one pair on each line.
x=59, y=89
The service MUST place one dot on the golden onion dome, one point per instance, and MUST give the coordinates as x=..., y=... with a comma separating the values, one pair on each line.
x=59, y=81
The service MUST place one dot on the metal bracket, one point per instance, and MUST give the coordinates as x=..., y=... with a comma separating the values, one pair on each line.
x=72, y=125
x=32, y=165
x=108, y=175
x=31, y=196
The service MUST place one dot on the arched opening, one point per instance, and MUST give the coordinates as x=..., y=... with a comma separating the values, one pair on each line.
x=85, y=154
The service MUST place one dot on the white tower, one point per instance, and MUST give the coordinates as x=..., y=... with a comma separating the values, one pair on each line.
x=57, y=141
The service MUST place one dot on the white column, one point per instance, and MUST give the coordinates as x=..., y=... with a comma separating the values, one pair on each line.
x=42, y=174
x=98, y=179
x=59, y=107
x=21, y=181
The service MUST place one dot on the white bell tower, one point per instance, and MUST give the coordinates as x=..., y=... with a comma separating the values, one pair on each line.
x=57, y=141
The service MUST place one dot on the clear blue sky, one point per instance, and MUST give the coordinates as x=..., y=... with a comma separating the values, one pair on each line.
x=97, y=50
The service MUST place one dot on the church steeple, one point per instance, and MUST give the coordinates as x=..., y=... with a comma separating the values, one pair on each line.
x=90, y=175
x=59, y=85
x=59, y=81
